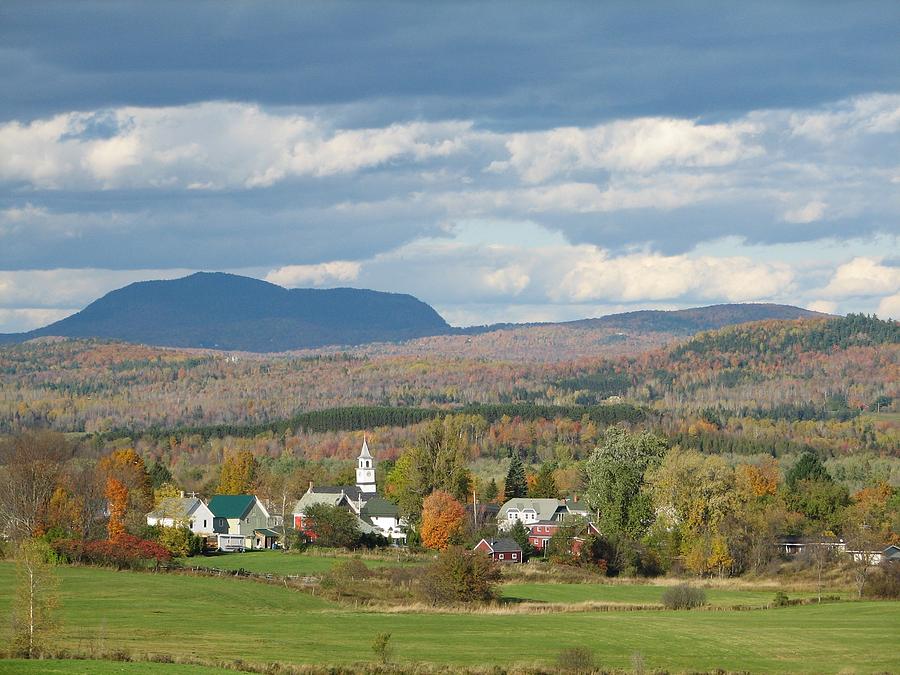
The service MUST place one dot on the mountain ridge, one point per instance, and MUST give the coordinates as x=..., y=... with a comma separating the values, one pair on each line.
x=215, y=310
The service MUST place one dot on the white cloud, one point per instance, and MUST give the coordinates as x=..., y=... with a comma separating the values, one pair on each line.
x=889, y=307
x=872, y=114
x=825, y=306
x=863, y=277
x=510, y=280
x=67, y=290
x=640, y=277
x=205, y=146
x=294, y=276
x=632, y=145
x=813, y=210
x=27, y=318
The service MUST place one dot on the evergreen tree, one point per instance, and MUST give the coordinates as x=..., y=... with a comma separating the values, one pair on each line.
x=516, y=484
x=808, y=467
x=491, y=492
x=545, y=485
x=159, y=475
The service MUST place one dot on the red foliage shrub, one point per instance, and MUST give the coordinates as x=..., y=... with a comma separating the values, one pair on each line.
x=125, y=552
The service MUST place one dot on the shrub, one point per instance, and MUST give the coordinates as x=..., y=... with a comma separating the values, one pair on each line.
x=683, y=596
x=381, y=645
x=125, y=552
x=460, y=575
x=781, y=599
x=576, y=659
x=180, y=541
x=885, y=583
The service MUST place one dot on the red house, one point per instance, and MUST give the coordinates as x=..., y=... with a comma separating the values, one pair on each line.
x=541, y=532
x=500, y=550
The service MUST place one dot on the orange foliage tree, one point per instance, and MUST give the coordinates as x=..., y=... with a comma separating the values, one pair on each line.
x=117, y=494
x=442, y=519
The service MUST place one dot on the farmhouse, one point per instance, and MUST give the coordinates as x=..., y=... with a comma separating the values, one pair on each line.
x=500, y=550
x=373, y=512
x=183, y=511
x=242, y=522
x=541, y=532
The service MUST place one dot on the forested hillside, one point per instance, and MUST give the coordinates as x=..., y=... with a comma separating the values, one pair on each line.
x=770, y=387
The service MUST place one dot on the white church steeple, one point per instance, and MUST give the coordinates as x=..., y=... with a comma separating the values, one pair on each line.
x=365, y=469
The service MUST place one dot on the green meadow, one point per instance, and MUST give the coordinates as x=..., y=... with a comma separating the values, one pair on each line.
x=280, y=562
x=227, y=618
x=89, y=667
x=640, y=594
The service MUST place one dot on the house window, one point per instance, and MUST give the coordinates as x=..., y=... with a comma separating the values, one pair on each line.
x=501, y=556
x=204, y=522
x=514, y=555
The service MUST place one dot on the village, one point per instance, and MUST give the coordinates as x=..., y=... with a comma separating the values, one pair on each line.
x=239, y=523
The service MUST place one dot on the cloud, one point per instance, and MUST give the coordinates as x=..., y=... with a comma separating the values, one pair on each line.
x=641, y=277
x=889, y=307
x=825, y=306
x=212, y=145
x=294, y=276
x=863, y=277
x=806, y=214
x=27, y=318
x=631, y=145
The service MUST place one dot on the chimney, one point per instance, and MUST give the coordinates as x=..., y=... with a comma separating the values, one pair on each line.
x=310, y=486
x=576, y=498
x=182, y=494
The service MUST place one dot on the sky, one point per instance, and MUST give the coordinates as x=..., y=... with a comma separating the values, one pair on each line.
x=502, y=161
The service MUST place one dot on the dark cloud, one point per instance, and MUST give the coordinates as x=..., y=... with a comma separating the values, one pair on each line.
x=505, y=64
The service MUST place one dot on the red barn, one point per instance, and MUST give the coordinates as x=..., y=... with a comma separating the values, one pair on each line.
x=500, y=550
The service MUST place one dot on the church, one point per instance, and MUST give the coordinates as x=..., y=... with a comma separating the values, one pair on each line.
x=374, y=513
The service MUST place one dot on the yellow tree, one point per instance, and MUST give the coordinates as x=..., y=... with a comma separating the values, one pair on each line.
x=35, y=598
x=442, y=519
x=238, y=474
x=117, y=495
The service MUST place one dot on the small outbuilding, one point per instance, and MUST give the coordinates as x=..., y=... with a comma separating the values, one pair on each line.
x=500, y=550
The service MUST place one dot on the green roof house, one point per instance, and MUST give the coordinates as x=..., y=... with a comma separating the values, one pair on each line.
x=242, y=522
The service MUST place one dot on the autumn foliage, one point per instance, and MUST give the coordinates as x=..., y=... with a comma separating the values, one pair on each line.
x=442, y=519
x=117, y=494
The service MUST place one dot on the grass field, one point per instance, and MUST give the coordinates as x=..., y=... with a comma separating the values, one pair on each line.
x=639, y=594
x=241, y=619
x=78, y=667
x=278, y=562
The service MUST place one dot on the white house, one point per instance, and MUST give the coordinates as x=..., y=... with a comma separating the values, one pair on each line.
x=183, y=511
x=531, y=511
x=375, y=513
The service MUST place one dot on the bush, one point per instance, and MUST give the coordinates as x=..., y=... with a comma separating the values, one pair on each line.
x=683, y=596
x=180, y=541
x=576, y=659
x=381, y=645
x=885, y=582
x=125, y=552
x=781, y=599
x=460, y=575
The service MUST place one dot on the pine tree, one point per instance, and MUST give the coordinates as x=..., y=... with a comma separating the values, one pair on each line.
x=545, y=484
x=491, y=491
x=516, y=484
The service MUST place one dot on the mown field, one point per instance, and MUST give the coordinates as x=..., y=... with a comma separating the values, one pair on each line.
x=90, y=667
x=637, y=594
x=241, y=619
x=280, y=562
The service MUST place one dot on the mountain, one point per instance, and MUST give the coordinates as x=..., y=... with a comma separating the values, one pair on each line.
x=226, y=311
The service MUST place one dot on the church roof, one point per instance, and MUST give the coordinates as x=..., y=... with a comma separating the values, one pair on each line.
x=379, y=507
x=364, y=453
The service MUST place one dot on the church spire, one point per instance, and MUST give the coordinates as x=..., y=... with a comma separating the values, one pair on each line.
x=365, y=469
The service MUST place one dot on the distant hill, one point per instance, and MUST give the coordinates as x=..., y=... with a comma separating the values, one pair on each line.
x=691, y=321
x=226, y=311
